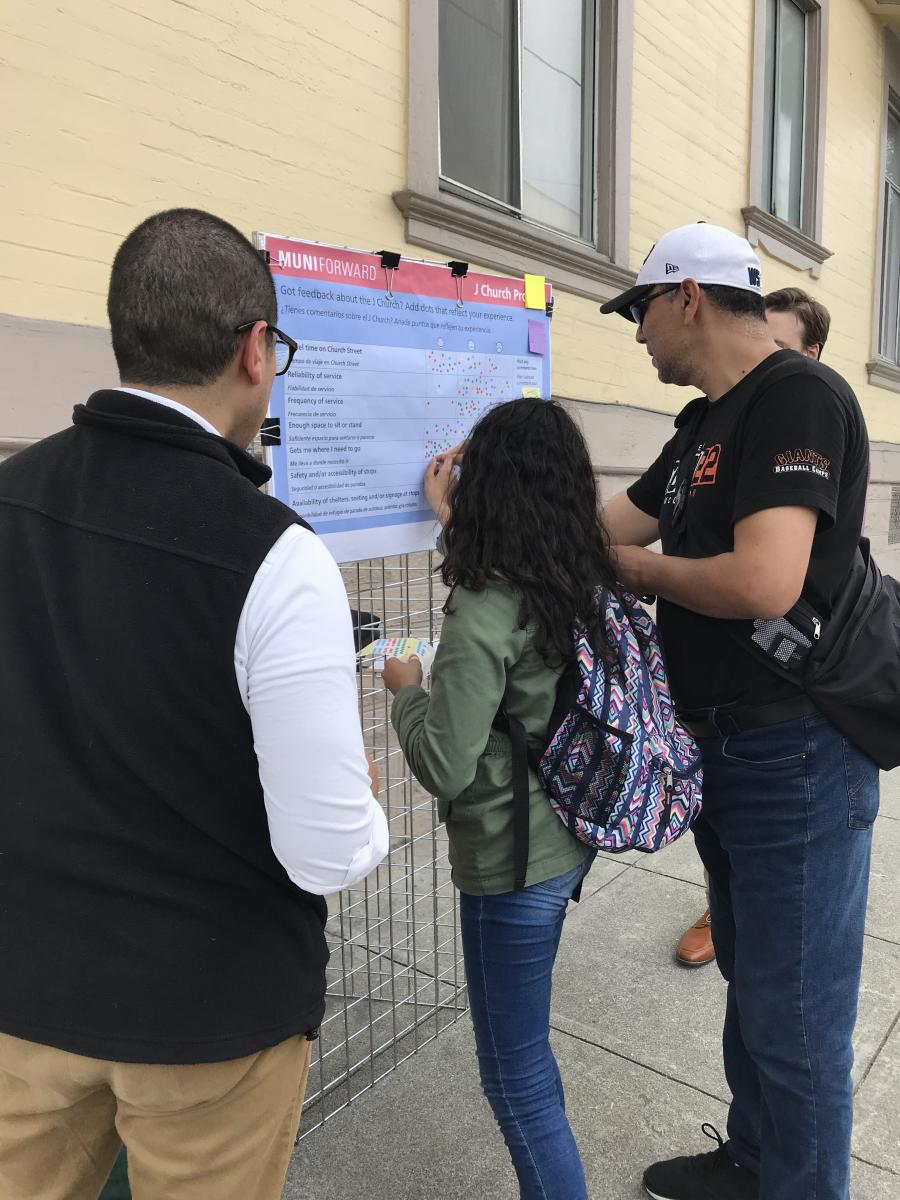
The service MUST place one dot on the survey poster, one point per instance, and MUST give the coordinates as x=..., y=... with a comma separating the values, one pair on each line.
x=393, y=367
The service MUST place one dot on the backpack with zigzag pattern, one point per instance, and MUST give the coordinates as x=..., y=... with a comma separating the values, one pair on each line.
x=618, y=768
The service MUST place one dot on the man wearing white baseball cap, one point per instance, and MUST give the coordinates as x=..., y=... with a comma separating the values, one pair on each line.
x=758, y=501
x=706, y=253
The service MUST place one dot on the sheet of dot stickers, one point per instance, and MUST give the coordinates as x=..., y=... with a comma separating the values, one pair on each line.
x=405, y=648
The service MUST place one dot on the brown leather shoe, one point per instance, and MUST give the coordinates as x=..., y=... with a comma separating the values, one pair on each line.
x=696, y=947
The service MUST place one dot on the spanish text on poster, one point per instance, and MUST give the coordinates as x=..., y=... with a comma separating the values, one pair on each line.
x=393, y=366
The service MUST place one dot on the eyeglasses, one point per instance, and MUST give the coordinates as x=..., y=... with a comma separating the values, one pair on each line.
x=638, y=310
x=285, y=347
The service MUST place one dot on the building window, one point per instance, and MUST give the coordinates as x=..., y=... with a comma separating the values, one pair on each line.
x=517, y=107
x=889, y=334
x=519, y=130
x=788, y=131
x=884, y=365
x=786, y=68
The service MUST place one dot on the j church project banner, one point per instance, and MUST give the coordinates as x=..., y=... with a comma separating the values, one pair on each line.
x=393, y=366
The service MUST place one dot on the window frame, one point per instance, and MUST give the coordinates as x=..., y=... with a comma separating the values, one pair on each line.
x=478, y=230
x=884, y=372
x=892, y=109
x=799, y=246
x=590, y=105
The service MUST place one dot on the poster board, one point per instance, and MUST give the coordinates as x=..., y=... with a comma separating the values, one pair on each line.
x=394, y=364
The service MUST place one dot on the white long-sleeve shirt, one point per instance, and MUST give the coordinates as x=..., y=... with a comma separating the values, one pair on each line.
x=296, y=673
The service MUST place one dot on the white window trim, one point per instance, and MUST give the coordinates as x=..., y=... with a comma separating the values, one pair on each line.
x=883, y=372
x=801, y=248
x=464, y=229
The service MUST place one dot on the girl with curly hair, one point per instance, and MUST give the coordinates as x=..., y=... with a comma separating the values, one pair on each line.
x=524, y=550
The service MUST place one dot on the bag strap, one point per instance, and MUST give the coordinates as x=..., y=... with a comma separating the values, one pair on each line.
x=692, y=416
x=524, y=757
x=518, y=737
x=688, y=423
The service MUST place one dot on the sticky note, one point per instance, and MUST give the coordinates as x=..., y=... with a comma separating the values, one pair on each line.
x=531, y=393
x=537, y=337
x=534, y=291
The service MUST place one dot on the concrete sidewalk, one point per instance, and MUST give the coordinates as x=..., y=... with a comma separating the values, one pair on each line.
x=637, y=1089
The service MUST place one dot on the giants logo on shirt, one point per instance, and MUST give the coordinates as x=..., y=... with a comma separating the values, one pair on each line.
x=810, y=461
x=707, y=467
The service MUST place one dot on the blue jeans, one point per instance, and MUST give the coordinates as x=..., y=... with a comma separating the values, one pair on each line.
x=785, y=834
x=509, y=946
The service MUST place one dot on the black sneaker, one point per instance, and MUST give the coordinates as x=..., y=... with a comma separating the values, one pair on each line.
x=713, y=1176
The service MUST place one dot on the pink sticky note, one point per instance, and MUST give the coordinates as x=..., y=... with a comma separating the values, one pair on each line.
x=537, y=337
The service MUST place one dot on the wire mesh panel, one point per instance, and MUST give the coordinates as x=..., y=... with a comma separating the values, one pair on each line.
x=395, y=978
x=894, y=517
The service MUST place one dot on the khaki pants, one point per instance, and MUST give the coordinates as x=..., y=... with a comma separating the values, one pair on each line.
x=214, y=1131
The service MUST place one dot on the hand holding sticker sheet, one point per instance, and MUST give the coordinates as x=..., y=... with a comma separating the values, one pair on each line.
x=375, y=653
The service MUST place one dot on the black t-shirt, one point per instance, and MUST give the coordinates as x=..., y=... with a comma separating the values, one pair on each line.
x=790, y=433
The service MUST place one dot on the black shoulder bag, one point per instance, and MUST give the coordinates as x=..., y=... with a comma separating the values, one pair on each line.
x=848, y=664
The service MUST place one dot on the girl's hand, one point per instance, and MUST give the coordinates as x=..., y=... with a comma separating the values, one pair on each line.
x=398, y=674
x=439, y=479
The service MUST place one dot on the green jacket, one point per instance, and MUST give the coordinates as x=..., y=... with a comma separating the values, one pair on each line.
x=446, y=736
x=117, y=1186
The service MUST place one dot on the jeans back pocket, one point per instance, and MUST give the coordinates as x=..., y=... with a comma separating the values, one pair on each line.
x=863, y=788
x=771, y=748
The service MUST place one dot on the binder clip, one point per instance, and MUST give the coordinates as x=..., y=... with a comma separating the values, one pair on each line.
x=459, y=270
x=270, y=432
x=390, y=264
x=265, y=256
x=550, y=304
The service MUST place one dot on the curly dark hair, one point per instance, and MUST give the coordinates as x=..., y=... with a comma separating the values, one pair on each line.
x=524, y=512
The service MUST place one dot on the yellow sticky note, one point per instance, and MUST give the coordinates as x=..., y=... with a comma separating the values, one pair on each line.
x=534, y=291
x=531, y=393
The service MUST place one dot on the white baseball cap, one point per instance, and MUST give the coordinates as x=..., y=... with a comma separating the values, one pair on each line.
x=704, y=253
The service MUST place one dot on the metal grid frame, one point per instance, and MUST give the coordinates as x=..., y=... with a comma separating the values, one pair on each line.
x=395, y=979
x=894, y=517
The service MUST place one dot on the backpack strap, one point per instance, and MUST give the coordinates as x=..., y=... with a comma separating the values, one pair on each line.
x=521, y=823
x=523, y=757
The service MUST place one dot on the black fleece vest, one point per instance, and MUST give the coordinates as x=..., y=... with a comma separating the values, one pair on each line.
x=143, y=914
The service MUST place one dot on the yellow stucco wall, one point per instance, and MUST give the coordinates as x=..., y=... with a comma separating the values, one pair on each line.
x=275, y=115
x=690, y=140
x=850, y=215
x=292, y=118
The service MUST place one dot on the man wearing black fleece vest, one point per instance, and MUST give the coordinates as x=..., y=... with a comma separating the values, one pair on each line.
x=184, y=777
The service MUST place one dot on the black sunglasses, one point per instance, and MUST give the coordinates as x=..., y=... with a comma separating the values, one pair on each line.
x=638, y=310
x=285, y=347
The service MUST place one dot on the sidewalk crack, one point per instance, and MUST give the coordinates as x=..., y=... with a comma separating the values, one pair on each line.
x=874, y=1059
x=878, y=1167
x=637, y=1063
